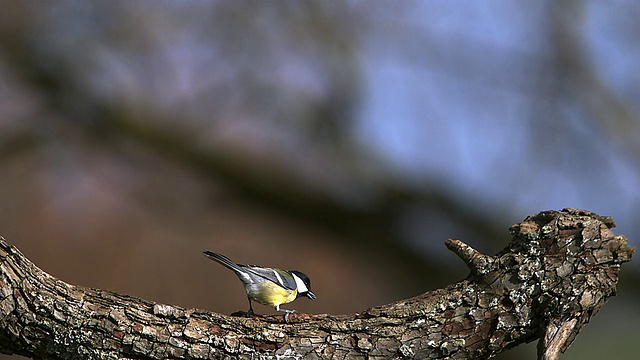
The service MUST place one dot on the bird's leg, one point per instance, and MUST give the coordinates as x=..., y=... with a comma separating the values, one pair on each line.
x=287, y=311
x=247, y=314
x=250, y=312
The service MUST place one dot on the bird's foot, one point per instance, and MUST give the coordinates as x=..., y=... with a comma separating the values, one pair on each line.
x=246, y=314
x=286, y=316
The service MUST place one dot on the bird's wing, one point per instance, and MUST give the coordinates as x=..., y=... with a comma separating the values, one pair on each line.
x=278, y=276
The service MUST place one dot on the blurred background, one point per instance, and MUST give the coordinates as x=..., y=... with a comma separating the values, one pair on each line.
x=346, y=139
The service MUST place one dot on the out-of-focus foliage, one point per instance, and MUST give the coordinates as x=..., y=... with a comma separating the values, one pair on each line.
x=346, y=139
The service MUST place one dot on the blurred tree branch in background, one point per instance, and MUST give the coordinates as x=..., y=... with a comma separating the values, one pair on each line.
x=276, y=186
x=612, y=113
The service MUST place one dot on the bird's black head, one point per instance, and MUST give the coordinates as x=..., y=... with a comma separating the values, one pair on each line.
x=304, y=284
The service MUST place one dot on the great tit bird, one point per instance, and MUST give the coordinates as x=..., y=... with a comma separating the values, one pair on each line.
x=268, y=286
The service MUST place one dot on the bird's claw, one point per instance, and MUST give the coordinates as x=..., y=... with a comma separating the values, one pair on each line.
x=286, y=316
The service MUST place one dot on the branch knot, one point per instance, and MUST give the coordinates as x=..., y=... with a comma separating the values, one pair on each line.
x=480, y=264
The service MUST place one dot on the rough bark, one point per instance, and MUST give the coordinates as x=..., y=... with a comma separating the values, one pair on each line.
x=558, y=270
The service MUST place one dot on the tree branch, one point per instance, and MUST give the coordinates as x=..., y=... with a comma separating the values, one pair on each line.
x=558, y=270
x=479, y=263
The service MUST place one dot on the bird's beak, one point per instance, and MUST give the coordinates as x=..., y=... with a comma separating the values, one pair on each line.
x=311, y=295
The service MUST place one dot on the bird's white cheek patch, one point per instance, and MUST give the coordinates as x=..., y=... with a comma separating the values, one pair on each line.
x=300, y=284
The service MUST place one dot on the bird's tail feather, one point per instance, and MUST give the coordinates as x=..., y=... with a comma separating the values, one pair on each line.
x=223, y=260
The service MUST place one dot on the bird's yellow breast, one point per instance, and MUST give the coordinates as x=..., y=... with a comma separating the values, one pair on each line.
x=268, y=293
